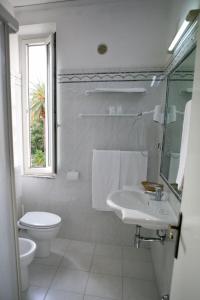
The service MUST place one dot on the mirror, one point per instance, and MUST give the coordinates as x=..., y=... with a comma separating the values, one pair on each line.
x=179, y=92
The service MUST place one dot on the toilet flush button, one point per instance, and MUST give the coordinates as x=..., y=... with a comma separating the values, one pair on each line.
x=73, y=175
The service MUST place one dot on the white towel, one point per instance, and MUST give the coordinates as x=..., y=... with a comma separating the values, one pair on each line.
x=133, y=167
x=105, y=177
x=173, y=166
x=184, y=145
x=112, y=170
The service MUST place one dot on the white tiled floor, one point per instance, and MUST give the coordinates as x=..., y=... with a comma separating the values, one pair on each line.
x=83, y=271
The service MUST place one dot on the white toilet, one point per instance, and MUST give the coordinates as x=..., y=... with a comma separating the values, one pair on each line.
x=27, y=250
x=42, y=227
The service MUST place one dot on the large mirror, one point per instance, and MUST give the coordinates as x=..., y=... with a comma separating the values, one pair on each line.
x=179, y=92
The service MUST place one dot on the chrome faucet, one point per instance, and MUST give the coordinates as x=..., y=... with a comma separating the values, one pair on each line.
x=157, y=193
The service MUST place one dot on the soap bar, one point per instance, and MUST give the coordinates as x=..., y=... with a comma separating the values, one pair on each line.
x=150, y=186
x=72, y=175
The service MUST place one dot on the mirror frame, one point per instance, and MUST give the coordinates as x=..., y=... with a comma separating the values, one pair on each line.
x=186, y=45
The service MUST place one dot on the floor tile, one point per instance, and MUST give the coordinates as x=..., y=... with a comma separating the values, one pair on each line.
x=41, y=275
x=53, y=259
x=70, y=280
x=34, y=293
x=106, y=265
x=85, y=247
x=59, y=245
x=62, y=295
x=141, y=254
x=77, y=261
x=134, y=289
x=138, y=269
x=105, y=286
x=108, y=250
x=65, y=272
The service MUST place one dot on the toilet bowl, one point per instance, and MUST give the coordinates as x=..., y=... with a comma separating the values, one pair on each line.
x=42, y=227
x=27, y=250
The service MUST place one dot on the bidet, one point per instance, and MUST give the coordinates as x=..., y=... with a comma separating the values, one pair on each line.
x=27, y=250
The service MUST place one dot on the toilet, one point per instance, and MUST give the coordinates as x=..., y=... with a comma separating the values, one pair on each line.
x=27, y=250
x=42, y=227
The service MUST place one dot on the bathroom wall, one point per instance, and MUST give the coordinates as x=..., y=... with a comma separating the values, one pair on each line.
x=76, y=139
x=135, y=32
x=137, y=35
x=16, y=118
x=8, y=265
x=80, y=28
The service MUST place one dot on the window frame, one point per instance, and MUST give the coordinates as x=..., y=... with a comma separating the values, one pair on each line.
x=50, y=110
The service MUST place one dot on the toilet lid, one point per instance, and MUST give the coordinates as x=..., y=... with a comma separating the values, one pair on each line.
x=40, y=219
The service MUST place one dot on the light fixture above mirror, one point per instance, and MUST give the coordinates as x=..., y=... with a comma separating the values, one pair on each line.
x=191, y=16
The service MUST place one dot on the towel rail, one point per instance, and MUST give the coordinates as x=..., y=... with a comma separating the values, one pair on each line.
x=139, y=114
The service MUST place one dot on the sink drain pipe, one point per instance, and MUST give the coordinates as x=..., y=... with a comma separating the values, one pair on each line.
x=161, y=236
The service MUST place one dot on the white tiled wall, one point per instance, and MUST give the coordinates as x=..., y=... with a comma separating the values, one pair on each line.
x=80, y=28
x=76, y=140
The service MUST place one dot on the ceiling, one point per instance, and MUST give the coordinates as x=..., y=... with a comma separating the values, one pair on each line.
x=17, y=3
x=22, y=3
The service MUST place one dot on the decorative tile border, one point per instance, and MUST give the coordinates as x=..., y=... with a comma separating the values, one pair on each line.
x=182, y=76
x=122, y=76
x=186, y=45
x=119, y=75
x=109, y=76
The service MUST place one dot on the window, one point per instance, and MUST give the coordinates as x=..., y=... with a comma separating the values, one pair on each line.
x=38, y=95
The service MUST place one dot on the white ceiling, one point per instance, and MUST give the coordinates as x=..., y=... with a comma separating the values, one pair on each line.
x=16, y=3
x=21, y=3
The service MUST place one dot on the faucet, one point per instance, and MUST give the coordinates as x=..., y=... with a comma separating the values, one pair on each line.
x=157, y=193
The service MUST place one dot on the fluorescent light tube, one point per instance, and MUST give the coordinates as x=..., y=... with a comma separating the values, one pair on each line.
x=178, y=35
x=153, y=80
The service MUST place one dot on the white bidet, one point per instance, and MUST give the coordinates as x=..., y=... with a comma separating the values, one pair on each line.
x=27, y=250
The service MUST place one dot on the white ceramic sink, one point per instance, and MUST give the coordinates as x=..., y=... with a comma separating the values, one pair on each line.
x=136, y=207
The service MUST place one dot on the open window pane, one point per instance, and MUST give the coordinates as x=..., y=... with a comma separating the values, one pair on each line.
x=38, y=106
x=37, y=95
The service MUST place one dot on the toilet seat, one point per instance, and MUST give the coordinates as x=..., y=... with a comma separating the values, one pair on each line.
x=40, y=220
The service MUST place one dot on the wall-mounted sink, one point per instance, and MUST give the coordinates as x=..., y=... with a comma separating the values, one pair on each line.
x=136, y=207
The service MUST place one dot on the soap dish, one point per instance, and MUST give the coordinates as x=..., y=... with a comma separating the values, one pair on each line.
x=151, y=186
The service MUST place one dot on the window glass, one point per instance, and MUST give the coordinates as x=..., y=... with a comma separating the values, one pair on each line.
x=37, y=95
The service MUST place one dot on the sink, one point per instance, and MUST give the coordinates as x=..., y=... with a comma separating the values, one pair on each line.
x=136, y=207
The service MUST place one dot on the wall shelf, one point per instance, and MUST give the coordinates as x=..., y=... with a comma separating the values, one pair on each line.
x=115, y=90
x=110, y=115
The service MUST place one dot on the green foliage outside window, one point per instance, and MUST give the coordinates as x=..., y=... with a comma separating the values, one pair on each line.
x=37, y=129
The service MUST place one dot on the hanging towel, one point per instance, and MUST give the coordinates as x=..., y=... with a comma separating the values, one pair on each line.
x=105, y=177
x=173, y=167
x=184, y=145
x=133, y=167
